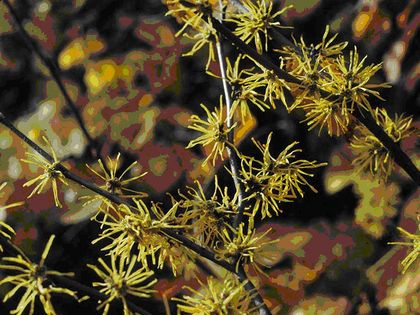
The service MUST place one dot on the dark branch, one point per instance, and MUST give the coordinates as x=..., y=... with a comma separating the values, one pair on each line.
x=56, y=75
x=261, y=59
x=263, y=309
x=398, y=155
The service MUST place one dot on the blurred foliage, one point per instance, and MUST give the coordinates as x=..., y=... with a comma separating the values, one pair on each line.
x=121, y=63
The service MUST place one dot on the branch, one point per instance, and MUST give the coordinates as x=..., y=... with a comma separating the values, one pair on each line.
x=200, y=250
x=56, y=75
x=233, y=157
x=261, y=59
x=399, y=156
x=263, y=309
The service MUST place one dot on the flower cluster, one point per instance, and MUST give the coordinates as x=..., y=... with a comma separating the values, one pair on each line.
x=275, y=179
x=350, y=81
x=333, y=86
x=254, y=21
x=243, y=245
x=207, y=217
x=138, y=230
x=329, y=86
x=372, y=155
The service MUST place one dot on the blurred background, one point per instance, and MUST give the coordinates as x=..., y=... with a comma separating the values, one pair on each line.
x=122, y=66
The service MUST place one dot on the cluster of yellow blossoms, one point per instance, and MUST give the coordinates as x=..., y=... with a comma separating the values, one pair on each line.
x=329, y=87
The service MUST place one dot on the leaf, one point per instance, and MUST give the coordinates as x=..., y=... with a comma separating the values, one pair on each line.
x=377, y=204
x=321, y=305
x=80, y=50
x=377, y=200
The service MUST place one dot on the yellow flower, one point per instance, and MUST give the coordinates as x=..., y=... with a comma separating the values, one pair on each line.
x=286, y=168
x=313, y=75
x=191, y=13
x=242, y=246
x=204, y=36
x=222, y=297
x=207, y=217
x=321, y=54
x=34, y=279
x=414, y=242
x=323, y=50
x=51, y=174
x=372, y=155
x=121, y=279
x=116, y=184
x=214, y=132
x=273, y=85
x=326, y=49
x=244, y=88
x=263, y=194
x=274, y=179
x=6, y=231
x=312, y=72
x=196, y=13
x=350, y=81
x=323, y=113
x=113, y=184
x=254, y=22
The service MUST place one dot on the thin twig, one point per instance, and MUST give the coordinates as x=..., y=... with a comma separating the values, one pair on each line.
x=399, y=156
x=176, y=235
x=55, y=74
x=233, y=158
